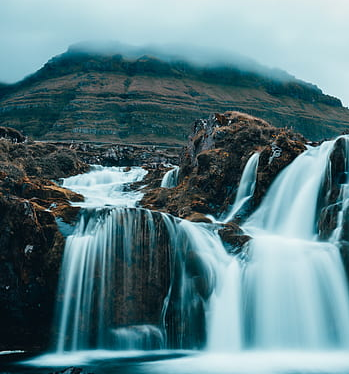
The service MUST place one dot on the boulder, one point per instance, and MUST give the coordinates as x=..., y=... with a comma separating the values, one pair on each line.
x=212, y=163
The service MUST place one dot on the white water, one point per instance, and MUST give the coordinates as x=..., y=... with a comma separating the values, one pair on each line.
x=246, y=187
x=170, y=179
x=102, y=234
x=289, y=294
x=295, y=287
x=289, y=207
x=106, y=233
x=107, y=186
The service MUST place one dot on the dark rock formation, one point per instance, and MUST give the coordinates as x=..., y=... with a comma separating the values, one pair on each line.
x=233, y=237
x=212, y=164
x=11, y=134
x=86, y=96
x=328, y=202
x=125, y=154
x=30, y=243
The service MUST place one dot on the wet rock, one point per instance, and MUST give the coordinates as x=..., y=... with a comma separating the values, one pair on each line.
x=329, y=200
x=198, y=217
x=31, y=244
x=72, y=370
x=213, y=161
x=233, y=236
x=30, y=252
x=328, y=220
x=344, y=251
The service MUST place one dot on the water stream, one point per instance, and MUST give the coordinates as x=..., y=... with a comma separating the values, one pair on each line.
x=170, y=179
x=283, y=307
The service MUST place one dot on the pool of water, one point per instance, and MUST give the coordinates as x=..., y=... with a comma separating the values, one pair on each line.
x=180, y=362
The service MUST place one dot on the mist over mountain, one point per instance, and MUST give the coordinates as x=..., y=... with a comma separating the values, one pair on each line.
x=203, y=57
x=115, y=92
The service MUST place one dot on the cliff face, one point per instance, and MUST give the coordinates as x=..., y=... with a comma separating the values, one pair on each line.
x=108, y=98
x=31, y=244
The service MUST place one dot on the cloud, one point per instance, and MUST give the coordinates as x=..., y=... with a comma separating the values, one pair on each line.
x=309, y=38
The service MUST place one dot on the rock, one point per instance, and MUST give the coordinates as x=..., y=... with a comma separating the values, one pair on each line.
x=344, y=251
x=233, y=235
x=30, y=251
x=329, y=203
x=213, y=161
x=328, y=220
x=198, y=217
x=72, y=370
x=11, y=134
x=31, y=244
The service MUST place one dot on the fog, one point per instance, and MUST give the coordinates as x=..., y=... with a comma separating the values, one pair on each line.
x=307, y=38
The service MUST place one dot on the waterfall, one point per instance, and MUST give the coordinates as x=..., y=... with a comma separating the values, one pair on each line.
x=104, y=186
x=246, y=187
x=295, y=291
x=92, y=268
x=170, y=179
x=118, y=258
x=137, y=279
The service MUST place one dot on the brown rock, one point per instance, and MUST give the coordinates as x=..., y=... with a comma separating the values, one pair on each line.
x=198, y=217
x=213, y=161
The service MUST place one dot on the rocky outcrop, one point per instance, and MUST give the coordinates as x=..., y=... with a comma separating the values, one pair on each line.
x=125, y=154
x=333, y=208
x=31, y=245
x=109, y=98
x=330, y=203
x=11, y=134
x=211, y=167
x=212, y=164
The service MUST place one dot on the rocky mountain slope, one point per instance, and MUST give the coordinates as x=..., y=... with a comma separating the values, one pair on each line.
x=106, y=97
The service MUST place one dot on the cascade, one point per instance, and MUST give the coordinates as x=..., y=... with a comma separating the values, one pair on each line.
x=170, y=179
x=286, y=291
x=295, y=290
x=246, y=187
x=115, y=258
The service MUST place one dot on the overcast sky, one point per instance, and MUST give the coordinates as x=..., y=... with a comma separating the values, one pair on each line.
x=307, y=38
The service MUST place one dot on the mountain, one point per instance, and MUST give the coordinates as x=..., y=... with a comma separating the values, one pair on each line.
x=88, y=95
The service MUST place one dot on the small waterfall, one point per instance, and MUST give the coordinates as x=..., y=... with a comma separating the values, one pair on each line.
x=139, y=337
x=289, y=207
x=295, y=295
x=91, y=270
x=104, y=186
x=116, y=261
x=105, y=265
x=295, y=292
x=170, y=179
x=246, y=187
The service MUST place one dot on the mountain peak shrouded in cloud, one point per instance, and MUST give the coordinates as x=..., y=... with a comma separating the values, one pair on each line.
x=114, y=92
x=305, y=38
x=195, y=56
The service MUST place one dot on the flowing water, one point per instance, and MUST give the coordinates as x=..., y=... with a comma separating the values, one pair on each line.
x=170, y=179
x=246, y=187
x=282, y=307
